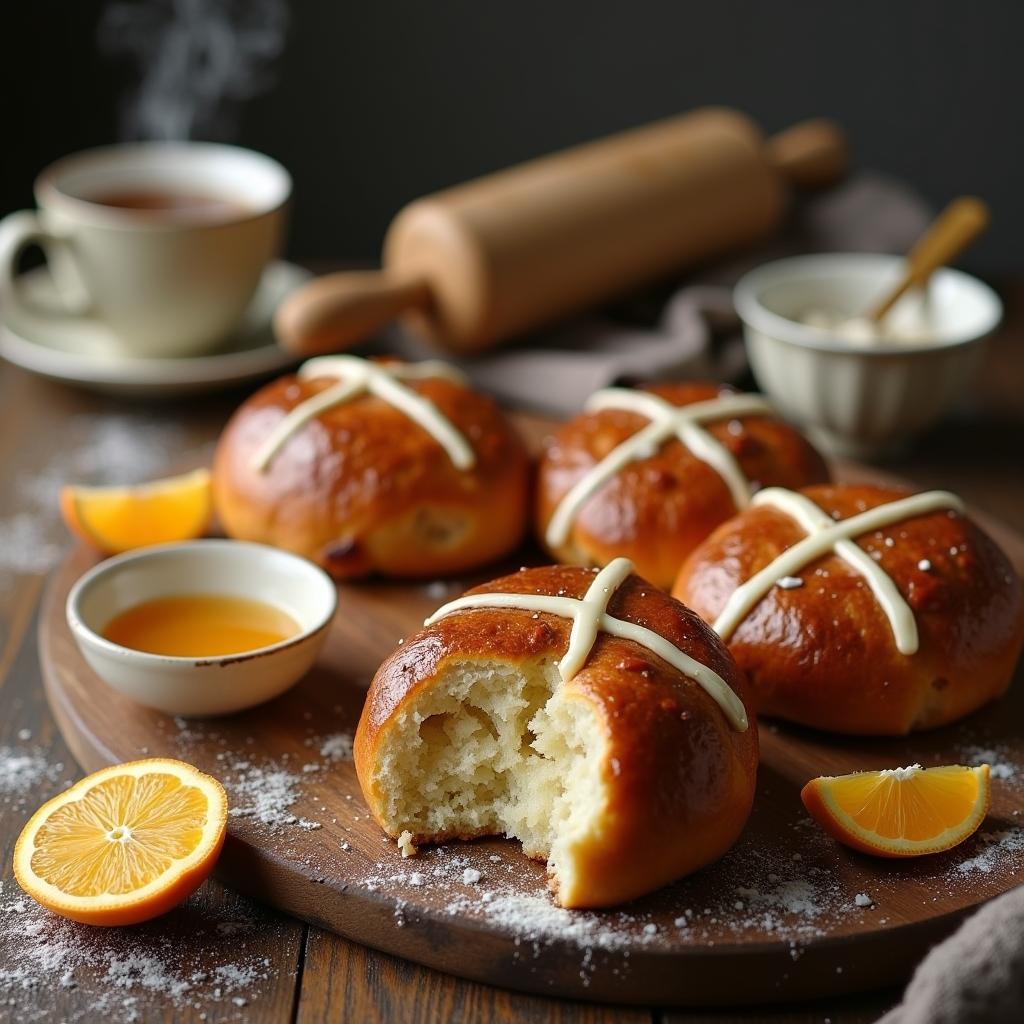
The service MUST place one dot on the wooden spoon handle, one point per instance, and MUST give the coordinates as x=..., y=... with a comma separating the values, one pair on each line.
x=953, y=230
x=338, y=310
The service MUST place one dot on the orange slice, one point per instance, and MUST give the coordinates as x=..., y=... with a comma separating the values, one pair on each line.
x=900, y=812
x=116, y=519
x=125, y=844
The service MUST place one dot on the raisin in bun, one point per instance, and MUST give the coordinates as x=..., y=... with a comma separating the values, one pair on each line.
x=397, y=468
x=624, y=761
x=662, y=489
x=919, y=624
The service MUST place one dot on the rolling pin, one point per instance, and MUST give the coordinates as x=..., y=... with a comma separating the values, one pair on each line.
x=477, y=264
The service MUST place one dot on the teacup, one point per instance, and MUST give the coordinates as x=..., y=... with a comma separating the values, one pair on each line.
x=163, y=243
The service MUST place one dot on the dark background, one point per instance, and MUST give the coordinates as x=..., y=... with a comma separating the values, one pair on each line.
x=374, y=103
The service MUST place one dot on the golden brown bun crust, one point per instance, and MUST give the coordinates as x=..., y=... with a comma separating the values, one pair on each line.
x=657, y=510
x=363, y=488
x=681, y=777
x=823, y=654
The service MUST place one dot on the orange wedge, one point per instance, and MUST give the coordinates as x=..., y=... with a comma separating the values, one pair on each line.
x=116, y=519
x=900, y=812
x=125, y=844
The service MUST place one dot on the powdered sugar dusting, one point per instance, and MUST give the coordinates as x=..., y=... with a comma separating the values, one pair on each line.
x=759, y=891
x=261, y=790
x=265, y=794
x=536, y=919
x=998, y=846
x=27, y=546
x=132, y=974
x=997, y=757
x=23, y=771
x=337, y=747
x=146, y=971
x=799, y=897
x=112, y=448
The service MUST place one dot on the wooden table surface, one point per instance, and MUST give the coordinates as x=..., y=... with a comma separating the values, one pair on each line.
x=185, y=967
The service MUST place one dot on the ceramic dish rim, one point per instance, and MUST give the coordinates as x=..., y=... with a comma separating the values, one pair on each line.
x=48, y=188
x=83, y=632
x=753, y=313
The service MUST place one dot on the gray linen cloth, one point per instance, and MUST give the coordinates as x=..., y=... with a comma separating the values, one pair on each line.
x=692, y=334
x=976, y=976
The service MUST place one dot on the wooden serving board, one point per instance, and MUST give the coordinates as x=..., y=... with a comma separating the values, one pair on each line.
x=786, y=915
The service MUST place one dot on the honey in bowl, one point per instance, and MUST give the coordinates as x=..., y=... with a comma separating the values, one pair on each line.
x=200, y=626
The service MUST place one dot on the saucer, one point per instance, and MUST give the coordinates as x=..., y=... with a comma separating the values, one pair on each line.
x=81, y=351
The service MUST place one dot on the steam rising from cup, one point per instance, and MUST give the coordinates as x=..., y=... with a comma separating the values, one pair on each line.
x=198, y=62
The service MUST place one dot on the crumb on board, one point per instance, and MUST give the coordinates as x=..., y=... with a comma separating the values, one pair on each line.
x=406, y=845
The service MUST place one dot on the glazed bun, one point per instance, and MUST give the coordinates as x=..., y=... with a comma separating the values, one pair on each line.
x=657, y=507
x=364, y=487
x=828, y=644
x=623, y=776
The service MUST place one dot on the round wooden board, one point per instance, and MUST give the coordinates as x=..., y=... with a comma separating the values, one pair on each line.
x=777, y=919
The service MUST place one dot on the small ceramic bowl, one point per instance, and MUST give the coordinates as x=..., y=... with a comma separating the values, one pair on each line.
x=207, y=685
x=854, y=399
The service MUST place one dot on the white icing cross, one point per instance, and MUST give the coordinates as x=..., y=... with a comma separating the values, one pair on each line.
x=359, y=376
x=828, y=536
x=590, y=616
x=667, y=420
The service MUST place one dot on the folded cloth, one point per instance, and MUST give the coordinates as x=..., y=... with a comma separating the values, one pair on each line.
x=695, y=333
x=976, y=976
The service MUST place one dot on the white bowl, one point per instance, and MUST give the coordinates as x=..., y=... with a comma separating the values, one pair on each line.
x=208, y=685
x=857, y=400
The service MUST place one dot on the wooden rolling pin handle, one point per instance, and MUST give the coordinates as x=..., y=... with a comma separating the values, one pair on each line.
x=337, y=311
x=811, y=153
